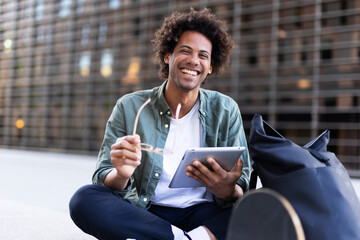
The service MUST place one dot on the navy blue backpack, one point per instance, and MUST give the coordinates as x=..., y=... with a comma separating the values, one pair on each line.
x=311, y=178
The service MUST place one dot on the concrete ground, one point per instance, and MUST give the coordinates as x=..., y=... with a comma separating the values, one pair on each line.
x=35, y=189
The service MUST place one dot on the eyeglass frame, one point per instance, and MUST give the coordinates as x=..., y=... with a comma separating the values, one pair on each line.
x=148, y=147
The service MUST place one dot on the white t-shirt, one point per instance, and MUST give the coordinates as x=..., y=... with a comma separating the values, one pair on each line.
x=188, y=135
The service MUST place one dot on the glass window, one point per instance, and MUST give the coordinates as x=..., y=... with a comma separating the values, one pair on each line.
x=114, y=4
x=39, y=10
x=7, y=44
x=326, y=52
x=132, y=74
x=102, y=32
x=80, y=6
x=85, y=35
x=84, y=63
x=10, y=13
x=252, y=53
x=65, y=8
x=28, y=9
x=49, y=34
x=304, y=54
x=25, y=35
x=106, y=63
x=40, y=34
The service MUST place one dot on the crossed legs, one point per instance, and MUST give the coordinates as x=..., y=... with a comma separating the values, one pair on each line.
x=101, y=212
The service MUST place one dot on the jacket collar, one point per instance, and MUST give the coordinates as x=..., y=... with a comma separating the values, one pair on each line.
x=164, y=107
x=161, y=102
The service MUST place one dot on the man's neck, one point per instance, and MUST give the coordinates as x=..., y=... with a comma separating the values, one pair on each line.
x=174, y=96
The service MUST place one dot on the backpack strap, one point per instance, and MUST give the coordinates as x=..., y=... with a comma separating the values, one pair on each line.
x=253, y=179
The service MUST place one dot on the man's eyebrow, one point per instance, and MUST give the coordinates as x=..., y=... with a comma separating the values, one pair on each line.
x=188, y=47
x=185, y=46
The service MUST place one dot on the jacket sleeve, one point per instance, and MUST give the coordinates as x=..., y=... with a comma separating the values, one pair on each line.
x=115, y=128
x=236, y=137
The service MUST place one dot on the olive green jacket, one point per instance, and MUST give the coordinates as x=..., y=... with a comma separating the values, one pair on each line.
x=222, y=126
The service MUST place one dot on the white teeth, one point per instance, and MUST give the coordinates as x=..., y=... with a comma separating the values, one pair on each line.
x=193, y=73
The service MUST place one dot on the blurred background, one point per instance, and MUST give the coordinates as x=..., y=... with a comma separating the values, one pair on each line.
x=64, y=63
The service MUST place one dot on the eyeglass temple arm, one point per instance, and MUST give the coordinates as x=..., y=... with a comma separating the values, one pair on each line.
x=138, y=114
x=177, y=113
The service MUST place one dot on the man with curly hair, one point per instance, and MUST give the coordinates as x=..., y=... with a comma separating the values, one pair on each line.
x=130, y=197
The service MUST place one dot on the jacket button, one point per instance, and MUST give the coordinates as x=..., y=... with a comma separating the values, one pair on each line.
x=166, y=125
x=145, y=199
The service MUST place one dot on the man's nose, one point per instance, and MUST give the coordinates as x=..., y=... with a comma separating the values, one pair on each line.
x=194, y=60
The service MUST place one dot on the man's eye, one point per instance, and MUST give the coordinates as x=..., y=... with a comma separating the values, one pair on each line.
x=204, y=56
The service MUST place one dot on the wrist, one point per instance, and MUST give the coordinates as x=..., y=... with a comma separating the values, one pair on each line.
x=115, y=180
x=236, y=193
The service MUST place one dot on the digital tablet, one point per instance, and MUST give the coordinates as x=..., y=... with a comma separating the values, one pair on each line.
x=226, y=157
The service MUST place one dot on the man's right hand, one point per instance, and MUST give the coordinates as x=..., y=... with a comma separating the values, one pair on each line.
x=125, y=156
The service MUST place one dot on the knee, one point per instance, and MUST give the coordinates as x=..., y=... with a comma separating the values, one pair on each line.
x=81, y=202
x=77, y=201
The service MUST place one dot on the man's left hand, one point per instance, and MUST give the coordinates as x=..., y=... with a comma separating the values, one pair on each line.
x=219, y=182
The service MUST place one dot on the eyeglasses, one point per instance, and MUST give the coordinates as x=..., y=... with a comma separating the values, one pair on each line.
x=148, y=147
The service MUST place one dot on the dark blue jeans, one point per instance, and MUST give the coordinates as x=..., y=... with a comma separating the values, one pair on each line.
x=99, y=211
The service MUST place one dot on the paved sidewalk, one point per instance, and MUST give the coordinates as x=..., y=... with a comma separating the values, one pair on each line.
x=35, y=189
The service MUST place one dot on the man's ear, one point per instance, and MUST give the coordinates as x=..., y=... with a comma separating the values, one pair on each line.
x=210, y=70
x=166, y=58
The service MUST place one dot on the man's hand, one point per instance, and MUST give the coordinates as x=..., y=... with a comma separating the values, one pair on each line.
x=219, y=182
x=125, y=156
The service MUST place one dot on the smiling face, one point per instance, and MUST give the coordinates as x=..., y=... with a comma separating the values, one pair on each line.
x=190, y=62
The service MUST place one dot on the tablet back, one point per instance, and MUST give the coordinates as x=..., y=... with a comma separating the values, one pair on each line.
x=226, y=157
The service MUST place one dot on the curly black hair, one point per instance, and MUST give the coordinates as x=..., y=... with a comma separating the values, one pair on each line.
x=204, y=22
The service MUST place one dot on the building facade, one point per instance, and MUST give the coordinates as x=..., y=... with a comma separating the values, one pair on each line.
x=64, y=63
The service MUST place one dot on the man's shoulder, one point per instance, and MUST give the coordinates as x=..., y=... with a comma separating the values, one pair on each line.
x=213, y=96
